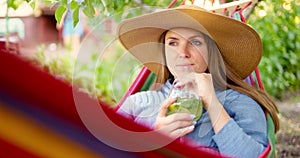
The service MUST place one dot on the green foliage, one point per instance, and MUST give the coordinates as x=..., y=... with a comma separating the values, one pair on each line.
x=100, y=78
x=89, y=10
x=119, y=8
x=59, y=12
x=278, y=24
x=60, y=66
x=14, y=3
x=112, y=78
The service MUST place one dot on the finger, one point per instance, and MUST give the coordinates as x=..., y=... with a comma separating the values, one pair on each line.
x=182, y=131
x=179, y=120
x=180, y=125
x=175, y=128
x=164, y=107
x=187, y=130
x=181, y=116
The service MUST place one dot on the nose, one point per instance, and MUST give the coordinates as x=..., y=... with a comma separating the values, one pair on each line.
x=184, y=51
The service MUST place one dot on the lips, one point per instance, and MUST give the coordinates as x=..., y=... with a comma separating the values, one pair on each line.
x=184, y=65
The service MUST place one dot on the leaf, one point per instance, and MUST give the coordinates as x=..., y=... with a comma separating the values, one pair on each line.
x=291, y=35
x=74, y=5
x=32, y=4
x=75, y=17
x=64, y=3
x=89, y=11
x=9, y=3
x=59, y=13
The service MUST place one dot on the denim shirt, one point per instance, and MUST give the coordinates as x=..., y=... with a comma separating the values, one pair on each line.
x=244, y=135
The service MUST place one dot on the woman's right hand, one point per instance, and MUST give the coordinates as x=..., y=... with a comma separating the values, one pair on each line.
x=174, y=125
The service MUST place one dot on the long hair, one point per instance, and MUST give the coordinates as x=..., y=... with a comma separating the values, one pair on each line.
x=232, y=80
x=225, y=77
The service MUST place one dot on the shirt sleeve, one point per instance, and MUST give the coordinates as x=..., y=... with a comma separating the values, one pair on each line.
x=126, y=108
x=245, y=134
x=142, y=107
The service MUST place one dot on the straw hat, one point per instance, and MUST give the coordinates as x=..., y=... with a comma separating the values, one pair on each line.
x=239, y=44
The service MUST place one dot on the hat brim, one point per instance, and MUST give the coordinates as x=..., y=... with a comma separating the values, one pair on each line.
x=239, y=44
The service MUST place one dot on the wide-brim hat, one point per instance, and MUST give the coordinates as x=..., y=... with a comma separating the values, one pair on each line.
x=239, y=44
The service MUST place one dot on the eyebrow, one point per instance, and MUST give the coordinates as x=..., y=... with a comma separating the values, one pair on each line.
x=195, y=36
x=172, y=38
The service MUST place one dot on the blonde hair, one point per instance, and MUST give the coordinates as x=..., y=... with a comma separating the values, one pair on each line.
x=225, y=77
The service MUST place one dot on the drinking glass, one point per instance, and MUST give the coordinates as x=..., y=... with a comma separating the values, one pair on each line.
x=187, y=100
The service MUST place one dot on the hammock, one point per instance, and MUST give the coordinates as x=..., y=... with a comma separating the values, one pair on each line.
x=234, y=9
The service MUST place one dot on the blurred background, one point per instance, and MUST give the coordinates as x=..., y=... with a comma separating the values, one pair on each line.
x=101, y=68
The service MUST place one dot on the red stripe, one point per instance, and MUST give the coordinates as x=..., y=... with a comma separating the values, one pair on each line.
x=172, y=3
x=258, y=79
x=13, y=151
x=266, y=151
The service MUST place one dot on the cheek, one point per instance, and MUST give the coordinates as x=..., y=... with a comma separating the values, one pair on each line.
x=201, y=60
x=201, y=65
x=171, y=57
x=201, y=54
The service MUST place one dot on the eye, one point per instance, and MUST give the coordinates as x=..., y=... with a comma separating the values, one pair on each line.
x=196, y=42
x=172, y=43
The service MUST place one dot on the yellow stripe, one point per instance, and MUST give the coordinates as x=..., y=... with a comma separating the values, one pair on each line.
x=36, y=138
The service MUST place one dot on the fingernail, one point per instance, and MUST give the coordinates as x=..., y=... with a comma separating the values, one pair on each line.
x=194, y=122
x=193, y=116
x=191, y=127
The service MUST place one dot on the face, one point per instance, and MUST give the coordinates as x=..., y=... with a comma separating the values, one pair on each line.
x=186, y=51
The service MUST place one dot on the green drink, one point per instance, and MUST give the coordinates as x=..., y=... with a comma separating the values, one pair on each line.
x=186, y=102
x=188, y=105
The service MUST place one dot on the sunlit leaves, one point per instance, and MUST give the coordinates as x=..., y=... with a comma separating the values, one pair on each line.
x=74, y=5
x=119, y=9
x=64, y=2
x=280, y=34
x=14, y=3
x=59, y=13
x=75, y=16
x=89, y=9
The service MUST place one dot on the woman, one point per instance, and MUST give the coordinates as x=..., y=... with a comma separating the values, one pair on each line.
x=218, y=53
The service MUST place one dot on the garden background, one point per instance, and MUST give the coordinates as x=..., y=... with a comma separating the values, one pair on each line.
x=276, y=21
